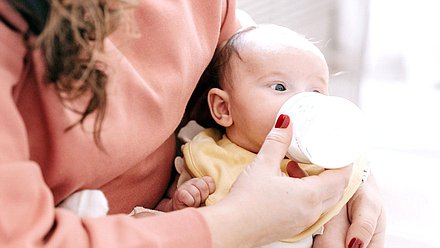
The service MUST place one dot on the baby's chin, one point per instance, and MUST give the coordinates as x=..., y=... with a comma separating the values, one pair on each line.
x=255, y=148
x=246, y=140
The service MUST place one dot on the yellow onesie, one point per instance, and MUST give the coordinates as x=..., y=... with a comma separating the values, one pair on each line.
x=210, y=153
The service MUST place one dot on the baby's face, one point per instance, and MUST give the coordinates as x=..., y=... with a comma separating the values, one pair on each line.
x=270, y=70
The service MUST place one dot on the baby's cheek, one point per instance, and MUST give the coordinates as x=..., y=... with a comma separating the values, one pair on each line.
x=263, y=132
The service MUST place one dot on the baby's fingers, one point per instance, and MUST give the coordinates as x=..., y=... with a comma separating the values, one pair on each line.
x=205, y=186
x=210, y=183
x=184, y=198
x=194, y=192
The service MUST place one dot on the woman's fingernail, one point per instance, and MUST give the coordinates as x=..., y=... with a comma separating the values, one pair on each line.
x=282, y=121
x=355, y=243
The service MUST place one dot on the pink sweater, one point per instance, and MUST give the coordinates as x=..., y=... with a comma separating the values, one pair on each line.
x=151, y=80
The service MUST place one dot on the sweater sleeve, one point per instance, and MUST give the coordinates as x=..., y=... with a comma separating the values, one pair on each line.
x=28, y=217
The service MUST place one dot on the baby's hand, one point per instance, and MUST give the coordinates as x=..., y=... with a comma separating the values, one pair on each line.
x=193, y=192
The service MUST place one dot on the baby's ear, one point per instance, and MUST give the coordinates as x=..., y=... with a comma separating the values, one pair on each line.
x=218, y=101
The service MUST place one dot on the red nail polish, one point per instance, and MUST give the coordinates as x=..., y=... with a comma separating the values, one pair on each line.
x=282, y=121
x=355, y=243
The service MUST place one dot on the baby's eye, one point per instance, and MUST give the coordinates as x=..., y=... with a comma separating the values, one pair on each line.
x=317, y=91
x=278, y=87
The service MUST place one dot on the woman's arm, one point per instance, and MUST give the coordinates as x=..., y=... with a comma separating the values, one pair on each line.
x=28, y=217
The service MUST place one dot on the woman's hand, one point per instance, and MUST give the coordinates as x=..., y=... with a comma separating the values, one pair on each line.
x=264, y=206
x=334, y=231
x=364, y=224
x=367, y=216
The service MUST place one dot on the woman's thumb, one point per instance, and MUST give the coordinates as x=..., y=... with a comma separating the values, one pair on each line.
x=277, y=141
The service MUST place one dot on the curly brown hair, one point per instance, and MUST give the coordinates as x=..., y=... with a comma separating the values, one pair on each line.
x=71, y=33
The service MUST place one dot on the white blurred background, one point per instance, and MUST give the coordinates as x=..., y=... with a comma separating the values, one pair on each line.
x=385, y=56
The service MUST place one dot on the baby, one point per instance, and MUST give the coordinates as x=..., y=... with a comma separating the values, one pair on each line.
x=250, y=77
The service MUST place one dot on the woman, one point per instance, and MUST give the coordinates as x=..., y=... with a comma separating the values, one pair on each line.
x=84, y=110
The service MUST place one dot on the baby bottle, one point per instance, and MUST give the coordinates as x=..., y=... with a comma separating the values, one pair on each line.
x=328, y=131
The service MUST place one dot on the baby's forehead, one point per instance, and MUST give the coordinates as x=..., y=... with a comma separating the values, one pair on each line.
x=269, y=37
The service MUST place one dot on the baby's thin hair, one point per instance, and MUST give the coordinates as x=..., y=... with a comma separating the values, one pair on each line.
x=215, y=75
x=219, y=69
